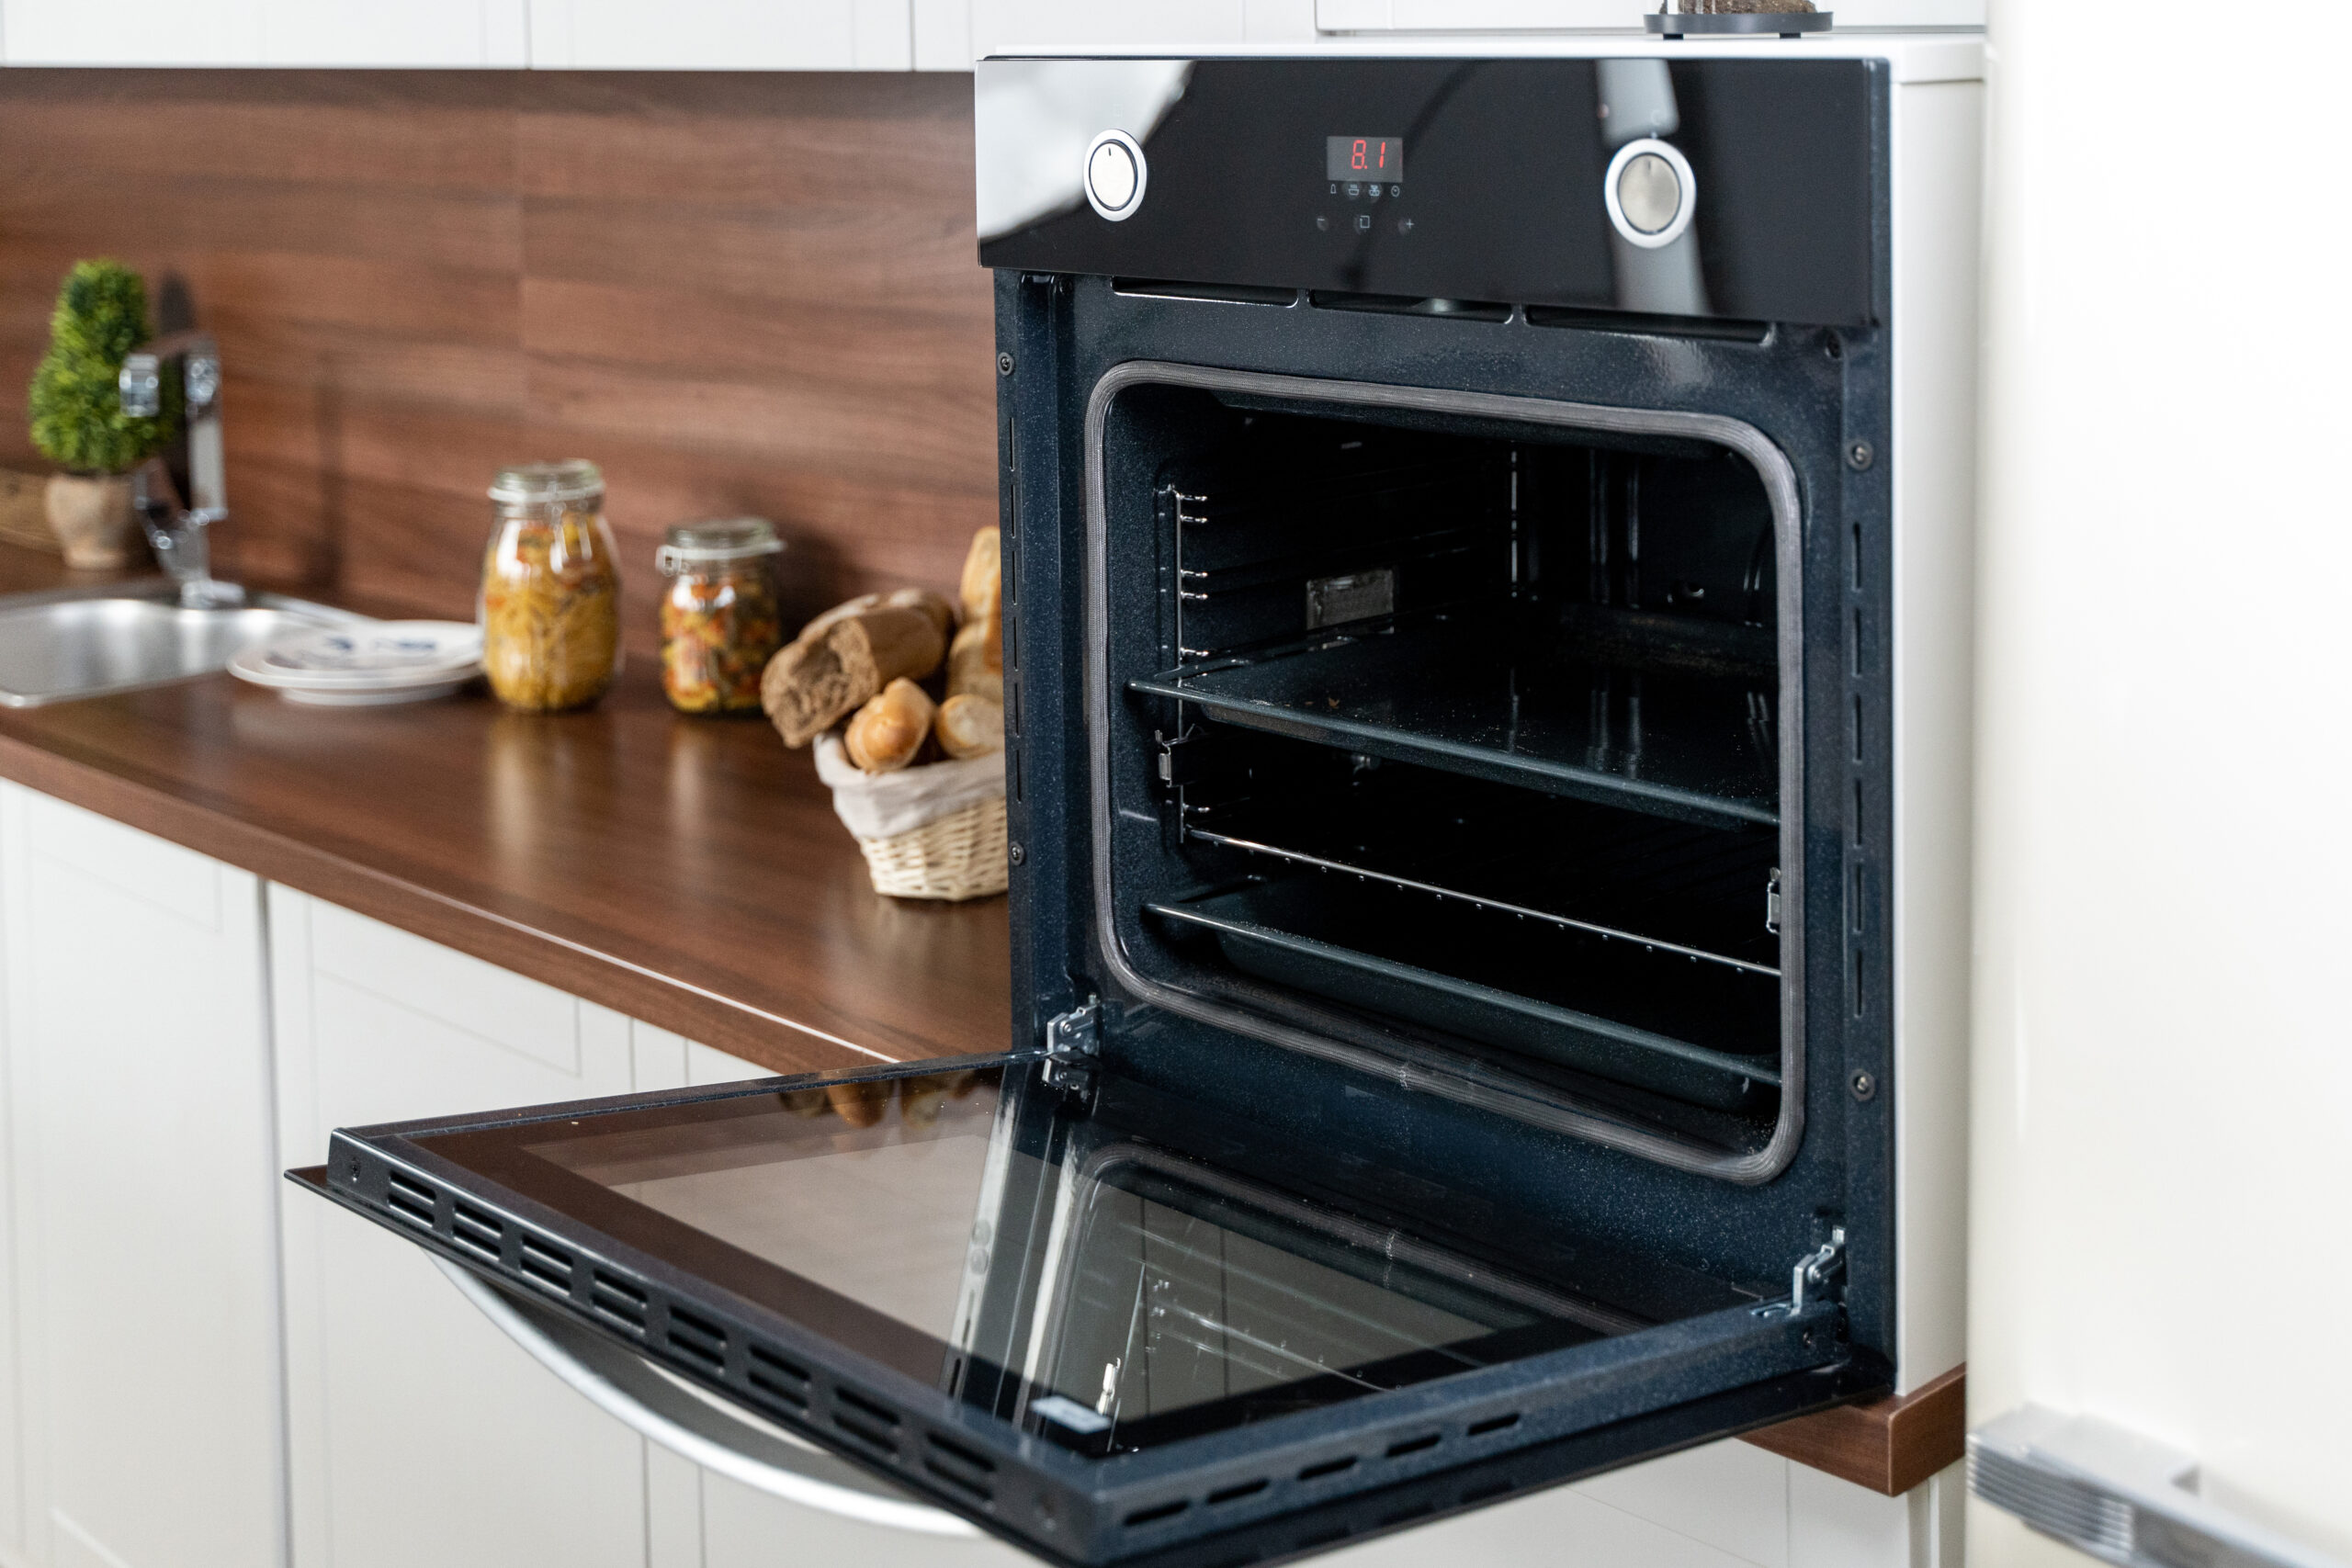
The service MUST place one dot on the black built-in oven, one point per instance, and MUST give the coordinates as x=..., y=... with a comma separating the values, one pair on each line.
x=1448, y=717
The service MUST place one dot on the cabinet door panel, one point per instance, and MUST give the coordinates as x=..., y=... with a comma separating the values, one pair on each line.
x=131, y=32
x=400, y=1391
x=743, y=1528
x=705, y=1066
x=149, y=1331
x=427, y=1400
x=735, y=34
x=1730, y=1495
x=414, y=32
x=265, y=32
x=942, y=35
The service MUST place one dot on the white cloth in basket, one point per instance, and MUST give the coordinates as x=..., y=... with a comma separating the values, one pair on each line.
x=881, y=806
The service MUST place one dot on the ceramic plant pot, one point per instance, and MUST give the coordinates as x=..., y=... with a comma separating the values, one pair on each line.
x=92, y=518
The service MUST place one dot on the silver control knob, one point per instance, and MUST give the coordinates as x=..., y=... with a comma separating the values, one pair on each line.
x=1114, y=175
x=1650, y=193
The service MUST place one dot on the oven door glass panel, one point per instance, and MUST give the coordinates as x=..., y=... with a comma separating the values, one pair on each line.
x=1075, y=1307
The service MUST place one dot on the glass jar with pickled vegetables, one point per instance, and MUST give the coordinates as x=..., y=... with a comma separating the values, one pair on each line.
x=550, y=589
x=720, y=623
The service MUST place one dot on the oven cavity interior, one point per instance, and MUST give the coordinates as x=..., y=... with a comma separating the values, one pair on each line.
x=1456, y=742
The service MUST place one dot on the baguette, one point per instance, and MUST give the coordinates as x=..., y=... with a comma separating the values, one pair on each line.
x=975, y=661
x=969, y=725
x=887, y=732
x=810, y=686
x=983, y=586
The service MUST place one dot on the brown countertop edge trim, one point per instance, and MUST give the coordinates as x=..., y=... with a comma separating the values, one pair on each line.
x=1890, y=1445
x=779, y=1043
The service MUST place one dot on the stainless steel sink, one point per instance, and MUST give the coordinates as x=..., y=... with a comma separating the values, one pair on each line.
x=55, y=646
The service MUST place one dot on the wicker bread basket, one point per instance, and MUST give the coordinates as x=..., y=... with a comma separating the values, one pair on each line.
x=960, y=855
x=942, y=833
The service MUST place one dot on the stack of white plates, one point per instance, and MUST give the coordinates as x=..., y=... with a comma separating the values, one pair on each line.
x=372, y=661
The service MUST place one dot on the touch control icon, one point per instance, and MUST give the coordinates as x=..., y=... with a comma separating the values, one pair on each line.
x=1114, y=175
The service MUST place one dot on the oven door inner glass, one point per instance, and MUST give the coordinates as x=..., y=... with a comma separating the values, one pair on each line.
x=1112, y=1273
x=1084, y=1275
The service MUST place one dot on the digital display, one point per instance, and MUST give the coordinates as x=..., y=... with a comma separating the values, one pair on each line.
x=1367, y=158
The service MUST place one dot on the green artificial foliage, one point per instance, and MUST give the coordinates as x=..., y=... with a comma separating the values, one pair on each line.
x=77, y=418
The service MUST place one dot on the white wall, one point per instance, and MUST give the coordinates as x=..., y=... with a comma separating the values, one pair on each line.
x=2163, y=1057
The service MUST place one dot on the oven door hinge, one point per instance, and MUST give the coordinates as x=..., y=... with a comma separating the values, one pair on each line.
x=1073, y=1041
x=1810, y=1275
x=1772, y=902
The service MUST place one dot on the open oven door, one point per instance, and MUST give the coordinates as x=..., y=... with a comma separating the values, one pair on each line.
x=1105, y=1319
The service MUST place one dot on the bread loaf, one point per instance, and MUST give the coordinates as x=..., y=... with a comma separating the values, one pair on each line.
x=842, y=664
x=839, y=612
x=976, y=663
x=969, y=725
x=983, y=588
x=941, y=612
x=885, y=734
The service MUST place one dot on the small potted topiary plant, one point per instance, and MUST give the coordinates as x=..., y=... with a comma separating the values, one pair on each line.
x=77, y=418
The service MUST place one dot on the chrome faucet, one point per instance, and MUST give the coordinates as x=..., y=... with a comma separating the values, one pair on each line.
x=177, y=533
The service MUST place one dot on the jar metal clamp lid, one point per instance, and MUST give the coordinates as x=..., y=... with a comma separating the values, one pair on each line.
x=710, y=543
x=533, y=483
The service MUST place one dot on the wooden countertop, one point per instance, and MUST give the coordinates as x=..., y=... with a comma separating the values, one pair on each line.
x=686, y=872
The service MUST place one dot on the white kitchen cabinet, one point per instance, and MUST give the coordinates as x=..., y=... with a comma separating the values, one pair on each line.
x=145, y=1189
x=682, y=35
x=1003, y=26
x=265, y=32
x=750, y=35
x=419, y=1434
x=2160, y=1043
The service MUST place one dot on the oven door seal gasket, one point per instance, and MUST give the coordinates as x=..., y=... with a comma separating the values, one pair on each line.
x=1780, y=481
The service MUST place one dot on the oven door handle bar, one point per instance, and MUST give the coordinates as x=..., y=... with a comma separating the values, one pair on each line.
x=633, y=1392
x=2116, y=1496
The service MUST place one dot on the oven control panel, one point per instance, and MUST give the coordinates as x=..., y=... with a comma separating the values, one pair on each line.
x=1730, y=188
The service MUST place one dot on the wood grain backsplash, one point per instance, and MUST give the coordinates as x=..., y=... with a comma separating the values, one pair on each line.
x=751, y=293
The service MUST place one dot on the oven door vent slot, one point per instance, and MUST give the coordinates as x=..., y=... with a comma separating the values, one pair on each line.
x=617, y=1300
x=409, y=1200
x=696, y=1338
x=475, y=1231
x=545, y=1266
